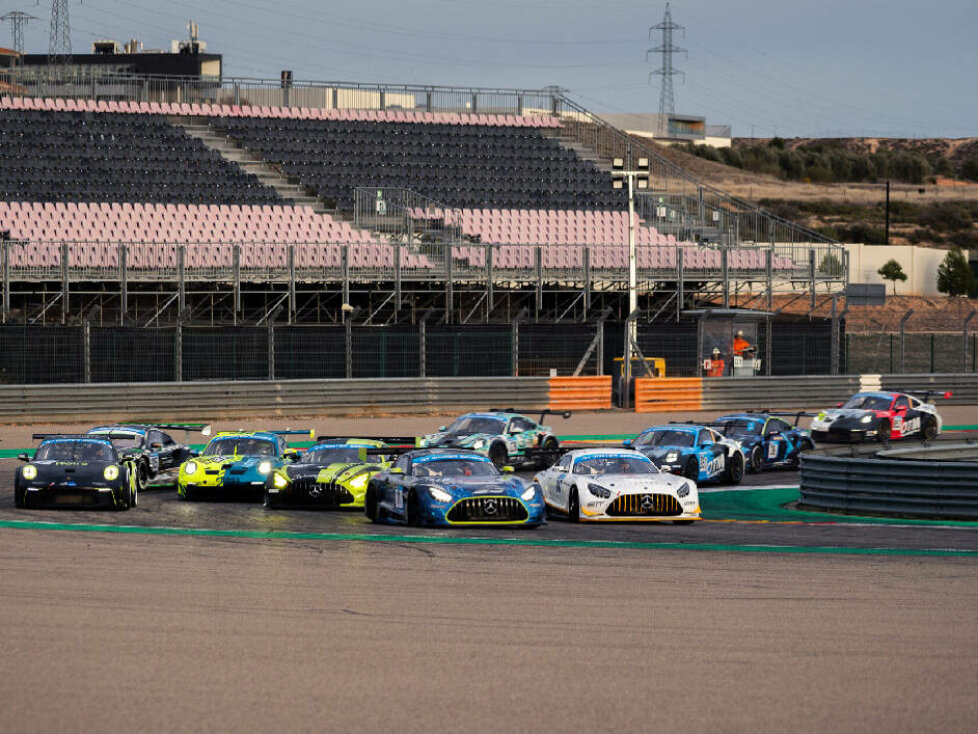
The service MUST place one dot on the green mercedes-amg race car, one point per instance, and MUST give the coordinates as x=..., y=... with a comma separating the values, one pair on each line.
x=332, y=474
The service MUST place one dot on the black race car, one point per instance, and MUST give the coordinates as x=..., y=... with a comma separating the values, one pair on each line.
x=76, y=470
x=153, y=450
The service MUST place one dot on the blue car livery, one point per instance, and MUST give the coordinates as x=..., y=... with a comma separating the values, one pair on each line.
x=767, y=440
x=696, y=452
x=448, y=487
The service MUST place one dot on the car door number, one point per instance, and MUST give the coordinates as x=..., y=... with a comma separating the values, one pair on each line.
x=398, y=498
x=905, y=426
x=773, y=448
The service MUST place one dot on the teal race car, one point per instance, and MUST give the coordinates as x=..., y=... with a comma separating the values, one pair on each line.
x=506, y=436
x=236, y=464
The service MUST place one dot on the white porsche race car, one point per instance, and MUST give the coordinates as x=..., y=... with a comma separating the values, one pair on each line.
x=616, y=484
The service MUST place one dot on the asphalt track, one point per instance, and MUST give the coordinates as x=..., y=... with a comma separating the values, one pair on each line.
x=219, y=616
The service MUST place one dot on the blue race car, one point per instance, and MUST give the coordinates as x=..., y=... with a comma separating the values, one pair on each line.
x=447, y=487
x=767, y=440
x=236, y=462
x=696, y=452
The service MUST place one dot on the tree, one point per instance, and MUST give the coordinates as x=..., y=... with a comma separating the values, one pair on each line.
x=954, y=275
x=892, y=271
x=830, y=265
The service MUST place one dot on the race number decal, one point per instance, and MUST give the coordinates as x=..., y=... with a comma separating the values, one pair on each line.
x=772, y=449
x=398, y=499
x=910, y=426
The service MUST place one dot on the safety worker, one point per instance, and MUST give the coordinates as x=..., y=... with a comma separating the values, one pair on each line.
x=716, y=364
x=741, y=347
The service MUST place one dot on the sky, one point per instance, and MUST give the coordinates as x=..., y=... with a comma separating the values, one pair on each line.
x=792, y=68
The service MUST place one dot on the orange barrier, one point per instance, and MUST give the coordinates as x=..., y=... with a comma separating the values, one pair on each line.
x=580, y=393
x=667, y=394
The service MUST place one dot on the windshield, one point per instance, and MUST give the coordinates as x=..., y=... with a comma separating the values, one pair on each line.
x=331, y=455
x=240, y=446
x=741, y=427
x=472, y=424
x=666, y=437
x=868, y=402
x=130, y=441
x=614, y=465
x=454, y=468
x=75, y=451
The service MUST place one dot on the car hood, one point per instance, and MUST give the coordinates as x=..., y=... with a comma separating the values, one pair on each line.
x=644, y=483
x=339, y=472
x=660, y=452
x=835, y=414
x=455, y=439
x=480, y=485
x=234, y=463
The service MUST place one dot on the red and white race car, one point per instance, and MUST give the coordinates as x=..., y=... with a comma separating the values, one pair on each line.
x=879, y=416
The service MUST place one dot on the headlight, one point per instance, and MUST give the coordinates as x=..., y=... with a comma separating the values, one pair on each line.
x=360, y=482
x=111, y=472
x=439, y=495
x=530, y=493
x=598, y=491
x=479, y=444
x=190, y=467
x=866, y=419
x=672, y=456
x=683, y=491
x=265, y=467
x=30, y=471
x=280, y=481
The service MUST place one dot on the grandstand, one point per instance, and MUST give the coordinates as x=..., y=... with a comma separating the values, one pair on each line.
x=145, y=207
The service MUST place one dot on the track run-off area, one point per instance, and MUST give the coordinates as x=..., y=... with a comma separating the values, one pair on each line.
x=217, y=616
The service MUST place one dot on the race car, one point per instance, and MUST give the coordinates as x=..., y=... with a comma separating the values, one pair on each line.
x=766, y=440
x=879, y=416
x=153, y=450
x=332, y=473
x=697, y=452
x=447, y=487
x=76, y=470
x=505, y=436
x=236, y=462
x=616, y=484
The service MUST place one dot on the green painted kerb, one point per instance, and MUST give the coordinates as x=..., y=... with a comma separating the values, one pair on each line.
x=457, y=540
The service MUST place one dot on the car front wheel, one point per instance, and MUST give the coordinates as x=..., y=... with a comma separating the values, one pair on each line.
x=573, y=507
x=735, y=468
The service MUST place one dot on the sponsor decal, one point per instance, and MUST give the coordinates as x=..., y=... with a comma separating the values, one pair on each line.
x=908, y=426
x=714, y=465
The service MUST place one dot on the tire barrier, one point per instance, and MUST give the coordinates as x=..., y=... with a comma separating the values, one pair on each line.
x=873, y=481
x=580, y=393
x=667, y=394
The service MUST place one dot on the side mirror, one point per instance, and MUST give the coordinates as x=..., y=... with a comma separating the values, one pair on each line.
x=156, y=445
x=839, y=405
x=508, y=470
x=513, y=431
x=395, y=470
x=23, y=457
x=442, y=429
x=291, y=455
x=627, y=443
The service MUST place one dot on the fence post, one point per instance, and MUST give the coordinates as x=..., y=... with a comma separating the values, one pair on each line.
x=6, y=278
x=87, y=350
x=178, y=353
x=123, y=283
x=349, y=349
x=422, y=349
x=903, y=323
x=64, y=281
x=964, y=356
x=515, y=367
x=271, y=350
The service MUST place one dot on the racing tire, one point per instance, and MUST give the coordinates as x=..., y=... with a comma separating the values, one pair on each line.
x=498, y=455
x=691, y=469
x=756, y=460
x=370, y=504
x=267, y=501
x=573, y=507
x=134, y=496
x=929, y=429
x=187, y=495
x=142, y=475
x=735, y=468
x=883, y=435
x=550, y=455
x=20, y=500
x=413, y=510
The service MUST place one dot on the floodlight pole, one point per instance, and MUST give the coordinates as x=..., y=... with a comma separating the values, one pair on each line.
x=642, y=171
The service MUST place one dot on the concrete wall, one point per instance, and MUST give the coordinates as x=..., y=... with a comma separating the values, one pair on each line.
x=919, y=263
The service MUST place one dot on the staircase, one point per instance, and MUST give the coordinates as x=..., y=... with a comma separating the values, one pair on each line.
x=253, y=163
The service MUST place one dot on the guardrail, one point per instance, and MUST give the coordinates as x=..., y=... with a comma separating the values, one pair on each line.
x=114, y=401
x=942, y=489
x=728, y=393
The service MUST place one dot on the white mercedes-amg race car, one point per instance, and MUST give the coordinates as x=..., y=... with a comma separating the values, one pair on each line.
x=616, y=484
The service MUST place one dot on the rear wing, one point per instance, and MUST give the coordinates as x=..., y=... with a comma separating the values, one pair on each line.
x=925, y=395
x=202, y=428
x=389, y=441
x=87, y=436
x=310, y=432
x=565, y=414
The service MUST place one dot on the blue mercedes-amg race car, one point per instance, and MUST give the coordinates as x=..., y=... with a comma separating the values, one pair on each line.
x=767, y=440
x=447, y=487
x=236, y=463
x=697, y=452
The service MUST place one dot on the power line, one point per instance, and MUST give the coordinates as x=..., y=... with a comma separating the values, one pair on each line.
x=667, y=105
x=18, y=21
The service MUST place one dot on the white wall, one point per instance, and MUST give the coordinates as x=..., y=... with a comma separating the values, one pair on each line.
x=919, y=263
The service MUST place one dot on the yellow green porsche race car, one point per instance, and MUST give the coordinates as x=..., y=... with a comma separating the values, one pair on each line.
x=333, y=473
x=236, y=463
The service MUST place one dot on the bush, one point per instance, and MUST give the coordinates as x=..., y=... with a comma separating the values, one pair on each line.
x=954, y=275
